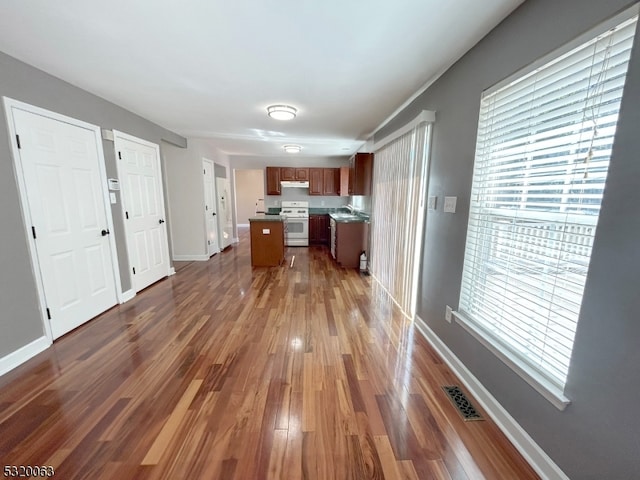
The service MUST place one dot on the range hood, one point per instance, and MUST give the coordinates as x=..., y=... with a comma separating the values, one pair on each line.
x=294, y=184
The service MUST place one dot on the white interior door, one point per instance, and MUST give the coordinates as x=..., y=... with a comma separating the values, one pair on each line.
x=64, y=182
x=225, y=221
x=143, y=205
x=210, y=208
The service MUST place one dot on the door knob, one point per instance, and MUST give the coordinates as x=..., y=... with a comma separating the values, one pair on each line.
x=214, y=214
x=160, y=221
x=104, y=233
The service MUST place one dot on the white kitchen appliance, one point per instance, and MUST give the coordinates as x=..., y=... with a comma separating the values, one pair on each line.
x=294, y=184
x=297, y=216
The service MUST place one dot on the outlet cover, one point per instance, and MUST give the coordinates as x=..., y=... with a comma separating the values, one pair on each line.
x=447, y=313
x=432, y=203
x=450, y=204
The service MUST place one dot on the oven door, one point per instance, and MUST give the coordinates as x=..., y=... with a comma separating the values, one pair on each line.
x=297, y=232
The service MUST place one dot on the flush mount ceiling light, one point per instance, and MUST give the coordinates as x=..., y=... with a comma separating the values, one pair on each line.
x=281, y=112
x=292, y=148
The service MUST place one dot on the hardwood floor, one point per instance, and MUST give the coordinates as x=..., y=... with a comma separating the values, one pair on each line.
x=227, y=372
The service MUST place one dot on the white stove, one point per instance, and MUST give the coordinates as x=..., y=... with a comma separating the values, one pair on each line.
x=297, y=216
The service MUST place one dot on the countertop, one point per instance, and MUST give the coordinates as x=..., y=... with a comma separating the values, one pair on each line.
x=349, y=217
x=340, y=215
x=266, y=218
x=315, y=210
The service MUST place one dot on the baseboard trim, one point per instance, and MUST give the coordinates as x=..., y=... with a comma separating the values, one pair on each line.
x=128, y=295
x=172, y=271
x=243, y=225
x=190, y=258
x=528, y=448
x=17, y=358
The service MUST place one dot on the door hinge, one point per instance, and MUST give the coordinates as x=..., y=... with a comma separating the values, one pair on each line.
x=33, y=231
x=48, y=314
x=204, y=172
x=208, y=242
x=119, y=155
x=206, y=207
x=18, y=141
x=134, y=270
x=126, y=214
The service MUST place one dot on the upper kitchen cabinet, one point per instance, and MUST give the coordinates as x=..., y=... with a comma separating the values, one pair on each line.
x=302, y=174
x=273, y=181
x=360, y=174
x=324, y=181
x=316, y=181
x=344, y=183
x=331, y=181
x=292, y=173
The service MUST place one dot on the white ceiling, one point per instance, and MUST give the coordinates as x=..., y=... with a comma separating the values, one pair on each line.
x=209, y=68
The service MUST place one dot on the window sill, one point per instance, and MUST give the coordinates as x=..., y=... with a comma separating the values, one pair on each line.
x=545, y=388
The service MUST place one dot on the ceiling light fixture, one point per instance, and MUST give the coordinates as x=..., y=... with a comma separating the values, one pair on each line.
x=292, y=148
x=281, y=112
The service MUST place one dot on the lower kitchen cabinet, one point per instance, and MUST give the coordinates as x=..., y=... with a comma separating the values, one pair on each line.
x=319, y=229
x=349, y=240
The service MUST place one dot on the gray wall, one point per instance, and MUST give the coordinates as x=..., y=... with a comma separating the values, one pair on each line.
x=596, y=437
x=185, y=193
x=20, y=319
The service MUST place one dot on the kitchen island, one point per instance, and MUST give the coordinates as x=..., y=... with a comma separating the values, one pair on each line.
x=267, y=240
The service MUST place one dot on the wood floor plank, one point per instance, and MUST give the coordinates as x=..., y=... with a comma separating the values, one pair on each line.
x=224, y=371
x=171, y=426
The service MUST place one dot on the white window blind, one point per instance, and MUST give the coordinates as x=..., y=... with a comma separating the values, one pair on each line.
x=542, y=155
x=399, y=177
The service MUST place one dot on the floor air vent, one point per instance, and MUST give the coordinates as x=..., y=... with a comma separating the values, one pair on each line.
x=462, y=403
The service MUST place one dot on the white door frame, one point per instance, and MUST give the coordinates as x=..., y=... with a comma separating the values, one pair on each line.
x=118, y=135
x=9, y=105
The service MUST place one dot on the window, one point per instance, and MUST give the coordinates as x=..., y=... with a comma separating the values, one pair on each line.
x=542, y=155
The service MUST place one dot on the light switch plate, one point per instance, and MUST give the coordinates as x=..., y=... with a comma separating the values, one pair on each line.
x=432, y=203
x=450, y=204
x=447, y=313
x=112, y=197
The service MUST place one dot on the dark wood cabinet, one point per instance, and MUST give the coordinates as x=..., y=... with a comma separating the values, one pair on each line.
x=302, y=174
x=273, y=181
x=352, y=173
x=316, y=181
x=287, y=173
x=322, y=181
x=319, y=232
x=292, y=173
x=331, y=181
x=344, y=189
x=351, y=241
x=360, y=174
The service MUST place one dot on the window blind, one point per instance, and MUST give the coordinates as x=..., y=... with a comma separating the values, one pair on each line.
x=399, y=176
x=542, y=155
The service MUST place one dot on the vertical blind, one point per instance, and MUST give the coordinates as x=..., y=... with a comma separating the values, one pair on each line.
x=542, y=155
x=398, y=214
